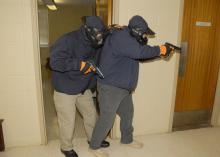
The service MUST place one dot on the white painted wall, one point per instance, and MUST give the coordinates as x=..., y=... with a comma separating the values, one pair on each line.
x=216, y=109
x=19, y=100
x=154, y=96
x=217, y=100
x=219, y=120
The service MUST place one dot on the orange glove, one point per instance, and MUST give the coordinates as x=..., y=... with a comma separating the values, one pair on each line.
x=86, y=67
x=165, y=51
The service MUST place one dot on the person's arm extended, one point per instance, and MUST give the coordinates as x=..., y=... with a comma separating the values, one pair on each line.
x=61, y=58
x=129, y=47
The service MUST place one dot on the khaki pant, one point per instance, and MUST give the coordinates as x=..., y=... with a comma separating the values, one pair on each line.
x=66, y=111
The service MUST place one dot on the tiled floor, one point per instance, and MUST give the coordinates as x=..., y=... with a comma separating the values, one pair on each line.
x=192, y=143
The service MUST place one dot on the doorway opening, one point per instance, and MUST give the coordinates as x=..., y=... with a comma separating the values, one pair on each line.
x=199, y=65
x=53, y=23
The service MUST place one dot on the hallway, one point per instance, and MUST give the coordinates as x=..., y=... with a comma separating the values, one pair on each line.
x=192, y=143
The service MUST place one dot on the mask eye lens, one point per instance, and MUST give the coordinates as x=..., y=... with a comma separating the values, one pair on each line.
x=95, y=36
x=99, y=36
x=144, y=36
x=95, y=30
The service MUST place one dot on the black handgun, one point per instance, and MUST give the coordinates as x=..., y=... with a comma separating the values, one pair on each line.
x=174, y=47
x=97, y=70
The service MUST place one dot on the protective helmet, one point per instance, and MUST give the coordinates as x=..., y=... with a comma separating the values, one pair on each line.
x=95, y=30
x=139, y=29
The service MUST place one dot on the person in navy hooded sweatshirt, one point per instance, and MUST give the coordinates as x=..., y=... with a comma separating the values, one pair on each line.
x=119, y=63
x=73, y=78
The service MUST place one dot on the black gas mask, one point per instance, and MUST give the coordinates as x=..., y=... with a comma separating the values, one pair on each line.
x=95, y=36
x=140, y=35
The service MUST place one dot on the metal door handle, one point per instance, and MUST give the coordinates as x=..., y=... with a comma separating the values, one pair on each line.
x=183, y=58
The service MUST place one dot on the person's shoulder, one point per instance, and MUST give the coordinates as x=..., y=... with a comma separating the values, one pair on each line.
x=122, y=37
x=122, y=33
x=69, y=34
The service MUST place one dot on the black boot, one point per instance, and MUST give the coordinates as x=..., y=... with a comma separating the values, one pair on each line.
x=70, y=153
x=104, y=144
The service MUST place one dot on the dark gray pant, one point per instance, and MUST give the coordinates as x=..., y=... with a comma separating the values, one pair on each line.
x=112, y=101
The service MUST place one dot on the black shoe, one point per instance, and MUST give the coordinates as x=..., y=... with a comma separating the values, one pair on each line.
x=70, y=153
x=104, y=144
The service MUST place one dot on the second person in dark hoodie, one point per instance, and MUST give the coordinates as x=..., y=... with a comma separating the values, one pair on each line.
x=73, y=78
x=119, y=63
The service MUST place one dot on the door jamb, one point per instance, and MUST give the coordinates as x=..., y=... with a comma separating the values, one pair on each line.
x=38, y=78
x=181, y=12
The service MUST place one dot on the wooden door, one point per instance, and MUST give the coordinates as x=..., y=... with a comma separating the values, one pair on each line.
x=197, y=82
x=104, y=10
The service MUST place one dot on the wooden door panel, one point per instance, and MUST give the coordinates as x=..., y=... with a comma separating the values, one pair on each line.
x=104, y=10
x=196, y=89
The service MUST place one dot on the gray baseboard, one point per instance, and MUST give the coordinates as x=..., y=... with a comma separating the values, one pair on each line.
x=192, y=120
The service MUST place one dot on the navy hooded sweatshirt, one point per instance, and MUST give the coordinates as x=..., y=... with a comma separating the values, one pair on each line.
x=120, y=56
x=66, y=56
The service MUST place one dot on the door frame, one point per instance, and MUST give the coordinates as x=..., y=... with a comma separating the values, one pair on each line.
x=38, y=78
x=181, y=12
